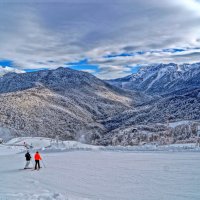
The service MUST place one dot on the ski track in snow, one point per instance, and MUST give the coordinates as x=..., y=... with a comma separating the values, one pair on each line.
x=100, y=175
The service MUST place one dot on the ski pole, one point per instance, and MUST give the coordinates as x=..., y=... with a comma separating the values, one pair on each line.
x=43, y=164
x=32, y=163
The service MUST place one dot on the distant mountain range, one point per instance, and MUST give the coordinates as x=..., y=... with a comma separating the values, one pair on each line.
x=161, y=79
x=136, y=109
x=175, y=92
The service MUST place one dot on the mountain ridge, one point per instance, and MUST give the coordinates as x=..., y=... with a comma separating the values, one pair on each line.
x=161, y=78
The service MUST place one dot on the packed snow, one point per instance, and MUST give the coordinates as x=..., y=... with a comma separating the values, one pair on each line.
x=99, y=173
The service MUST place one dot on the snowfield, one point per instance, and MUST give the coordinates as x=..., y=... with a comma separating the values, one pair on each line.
x=97, y=173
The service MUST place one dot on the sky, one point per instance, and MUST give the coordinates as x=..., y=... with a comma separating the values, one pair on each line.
x=108, y=38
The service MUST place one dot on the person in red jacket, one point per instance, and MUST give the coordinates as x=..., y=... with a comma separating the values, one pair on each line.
x=37, y=160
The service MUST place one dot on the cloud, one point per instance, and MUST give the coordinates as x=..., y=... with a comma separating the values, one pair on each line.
x=112, y=71
x=47, y=34
x=89, y=71
x=4, y=70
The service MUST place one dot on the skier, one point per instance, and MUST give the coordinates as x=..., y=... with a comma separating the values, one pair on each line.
x=28, y=158
x=25, y=145
x=37, y=160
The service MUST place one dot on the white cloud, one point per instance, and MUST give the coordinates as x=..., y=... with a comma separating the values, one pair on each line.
x=89, y=71
x=112, y=71
x=4, y=70
x=33, y=35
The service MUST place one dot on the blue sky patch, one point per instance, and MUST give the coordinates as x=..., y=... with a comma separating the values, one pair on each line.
x=6, y=63
x=81, y=62
x=124, y=54
x=35, y=70
x=173, y=50
x=135, y=69
x=83, y=65
x=95, y=68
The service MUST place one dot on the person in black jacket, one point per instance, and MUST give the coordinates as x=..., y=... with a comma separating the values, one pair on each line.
x=28, y=159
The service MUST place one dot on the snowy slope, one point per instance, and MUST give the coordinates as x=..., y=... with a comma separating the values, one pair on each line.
x=48, y=144
x=95, y=175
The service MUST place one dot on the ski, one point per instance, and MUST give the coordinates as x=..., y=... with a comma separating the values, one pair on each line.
x=26, y=168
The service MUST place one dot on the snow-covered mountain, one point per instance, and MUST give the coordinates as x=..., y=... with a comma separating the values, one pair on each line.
x=161, y=78
x=176, y=92
x=62, y=102
x=76, y=105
